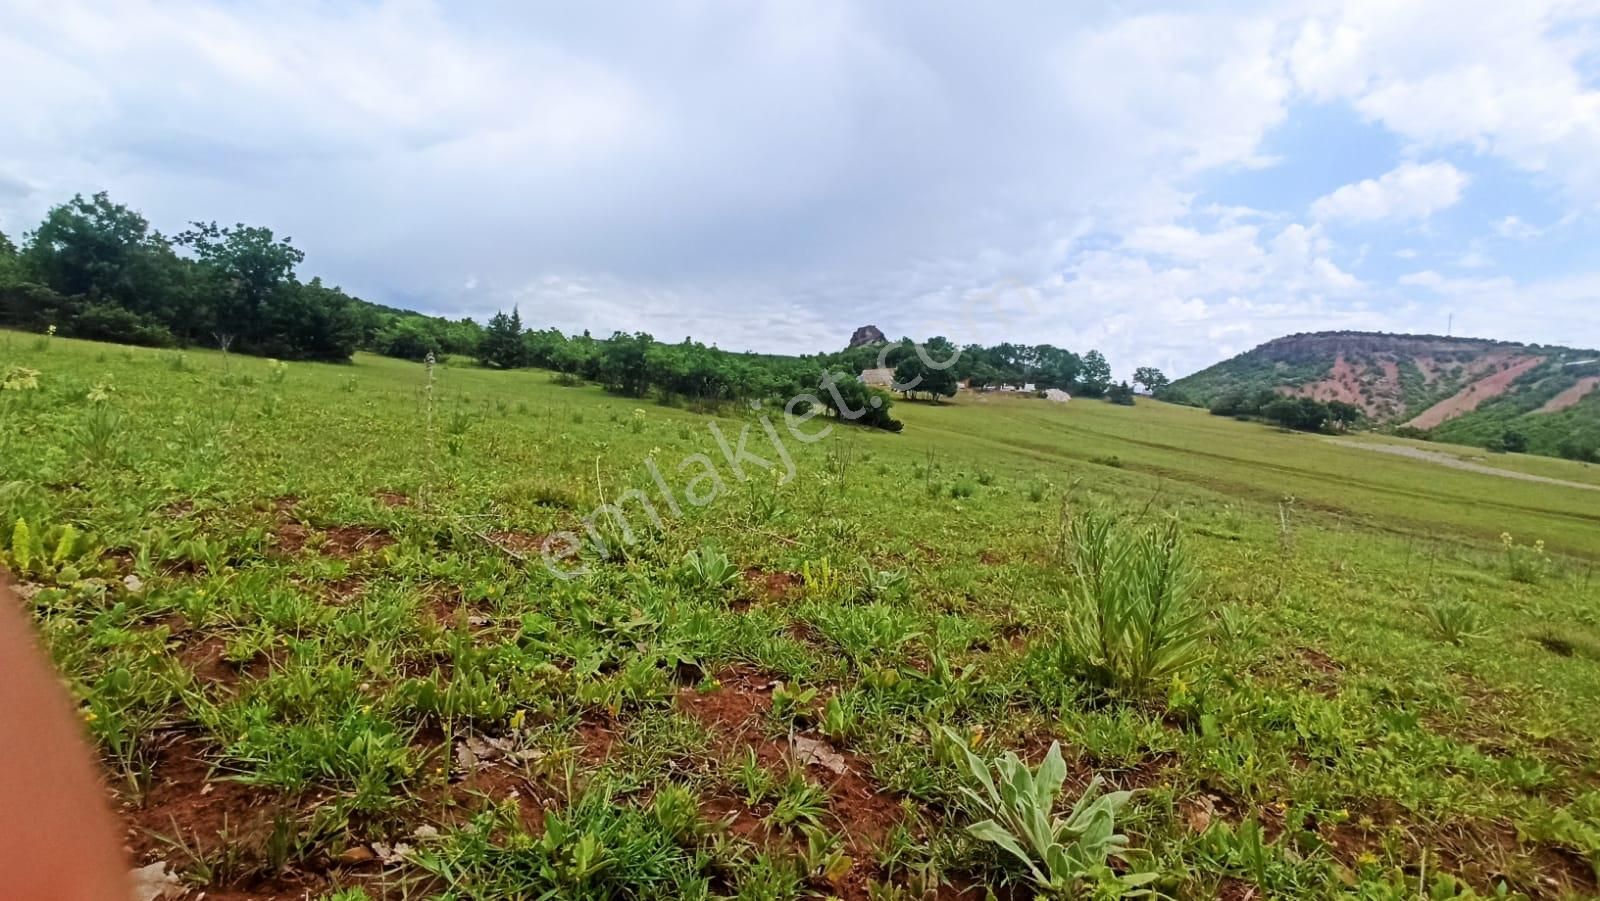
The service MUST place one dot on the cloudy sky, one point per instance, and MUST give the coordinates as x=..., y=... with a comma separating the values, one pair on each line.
x=1169, y=186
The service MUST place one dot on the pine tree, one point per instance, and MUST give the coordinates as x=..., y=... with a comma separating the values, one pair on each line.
x=502, y=345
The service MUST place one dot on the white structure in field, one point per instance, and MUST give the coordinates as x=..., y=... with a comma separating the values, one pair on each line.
x=877, y=378
x=1057, y=395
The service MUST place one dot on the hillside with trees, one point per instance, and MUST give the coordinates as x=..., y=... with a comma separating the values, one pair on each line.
x=1493, y=394
x=95, y=269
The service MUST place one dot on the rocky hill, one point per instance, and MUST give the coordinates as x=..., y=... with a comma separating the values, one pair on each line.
x=1467, y=390
x=867, y=334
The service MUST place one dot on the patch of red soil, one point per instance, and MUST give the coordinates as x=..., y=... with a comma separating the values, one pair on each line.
x=1571, y=396
x=205, y=659
x=1321, y=672
x=345, y=542
x=772, y=585
x=741, y=697
x=1319, y=661
x=858, y=809
x=525, y=544
x=188, y=811
x=1344, y=383
x=805, y=633
x=341, y=542
x=290, y=537
x=596, y=739
x=1469, y=398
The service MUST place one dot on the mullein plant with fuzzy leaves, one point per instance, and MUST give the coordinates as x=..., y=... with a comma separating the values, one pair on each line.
x=1066, y=857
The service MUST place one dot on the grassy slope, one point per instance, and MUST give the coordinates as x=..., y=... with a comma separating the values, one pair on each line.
x=1336, y=717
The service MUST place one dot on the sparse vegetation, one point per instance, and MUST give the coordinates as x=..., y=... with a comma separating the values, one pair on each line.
x=306, y=618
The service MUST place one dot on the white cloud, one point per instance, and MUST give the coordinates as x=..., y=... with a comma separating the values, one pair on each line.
x=770, y=175
x=1513, y=228
x=1410, y=191
x=1506, y=79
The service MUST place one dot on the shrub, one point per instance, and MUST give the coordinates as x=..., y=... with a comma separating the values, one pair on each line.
x=112, y=323
x=1133, y=619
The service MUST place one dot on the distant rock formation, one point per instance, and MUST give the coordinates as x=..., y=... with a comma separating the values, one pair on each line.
x=867, y=334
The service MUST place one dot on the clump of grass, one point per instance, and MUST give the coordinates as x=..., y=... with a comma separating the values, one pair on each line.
x=962, y=488
x=101, y=434
x=538, y=492
x=597, y=847
x=985, y=477
x=1133, y=620
x=1455, y=621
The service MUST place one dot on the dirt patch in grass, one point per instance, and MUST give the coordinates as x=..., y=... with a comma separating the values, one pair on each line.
x=290, y=537
x=394, y=499
x=596, y=739
x=806, y=633
x=345, y=542
x=188, y=812
x=858, y=809
x=741, y=698
x=772, y=585
x=206, y=660
x=1320, y=662
x=526, y=544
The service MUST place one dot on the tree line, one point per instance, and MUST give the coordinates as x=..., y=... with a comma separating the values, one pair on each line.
x=95, y=269
x=1044, y=366
x=1305, y=414
x=637, y=365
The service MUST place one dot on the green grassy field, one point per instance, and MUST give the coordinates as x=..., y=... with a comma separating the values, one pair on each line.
x=305, y=615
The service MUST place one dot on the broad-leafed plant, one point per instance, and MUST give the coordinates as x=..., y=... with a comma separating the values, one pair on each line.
x=1065, y=856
